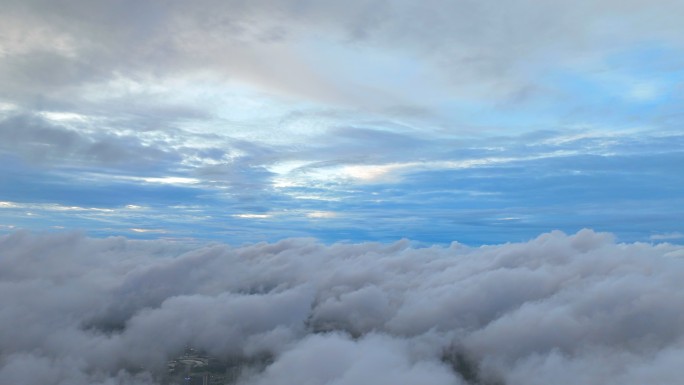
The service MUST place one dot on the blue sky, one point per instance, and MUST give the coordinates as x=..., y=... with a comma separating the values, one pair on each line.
x=435, y=121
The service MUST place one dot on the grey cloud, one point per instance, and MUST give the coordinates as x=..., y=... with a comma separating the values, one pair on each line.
x=360, y=137
x=245, y=175
x=481, y=46
x=134, y=39
x=31, y=369
x=335, y=358
x=577, y=308
x=37, y=74
x=248, y=325
x=359, y=145
x=38, y=140
x=239, y=174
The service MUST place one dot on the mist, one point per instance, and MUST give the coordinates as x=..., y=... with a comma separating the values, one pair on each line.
x=562, y=309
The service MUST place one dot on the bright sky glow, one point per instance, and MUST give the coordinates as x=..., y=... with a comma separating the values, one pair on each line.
x=435, y=121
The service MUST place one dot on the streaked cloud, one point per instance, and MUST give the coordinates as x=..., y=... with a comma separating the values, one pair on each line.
x=450, y=113
x=321, y=214
x=157, y=231
x=253, y=216
x=667, y=236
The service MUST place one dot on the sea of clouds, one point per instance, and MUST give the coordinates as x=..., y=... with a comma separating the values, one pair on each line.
x=559, y=309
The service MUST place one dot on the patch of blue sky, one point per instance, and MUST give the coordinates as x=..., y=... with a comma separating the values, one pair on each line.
x=619, y=92
x=47, y=188
x=483, y=121
x=631, y=88
x=641, y=184
x=622, y=92
x=537, y=190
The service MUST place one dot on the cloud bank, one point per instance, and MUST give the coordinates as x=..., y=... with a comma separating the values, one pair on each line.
x=563, y=309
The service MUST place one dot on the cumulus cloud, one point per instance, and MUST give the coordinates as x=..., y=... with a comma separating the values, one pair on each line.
x=560, y=308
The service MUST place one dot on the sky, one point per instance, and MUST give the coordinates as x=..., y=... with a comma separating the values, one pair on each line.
x=481, y=122
x=448, y=192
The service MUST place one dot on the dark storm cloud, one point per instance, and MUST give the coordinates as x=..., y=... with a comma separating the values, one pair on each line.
x=558, y=308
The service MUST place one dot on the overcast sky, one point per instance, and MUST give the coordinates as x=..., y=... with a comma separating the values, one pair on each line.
x=439, y=120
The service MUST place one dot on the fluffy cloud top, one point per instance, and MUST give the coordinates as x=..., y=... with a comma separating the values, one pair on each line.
x=562, y=309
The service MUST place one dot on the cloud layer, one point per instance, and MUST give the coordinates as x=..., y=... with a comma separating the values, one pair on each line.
x=492, y=121
x=560, y=308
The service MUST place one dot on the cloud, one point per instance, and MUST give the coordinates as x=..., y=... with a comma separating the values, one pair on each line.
x=38, y=140
x=576, y=177
x=373, y=107
x=483, y=48
x=667, y=236
x=561, y=308
x=335, y=358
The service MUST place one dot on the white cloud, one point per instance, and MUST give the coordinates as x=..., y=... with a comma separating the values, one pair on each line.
x=321, y=214
x=174, y=180
x=253, y=216
x=62, y=117
x=558, y=309
x=667, y=236
x=53, y=207
x=393, y=172
x=139, y=230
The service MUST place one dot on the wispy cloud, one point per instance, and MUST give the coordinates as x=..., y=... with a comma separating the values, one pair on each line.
x=452, y=113
x=667, y=236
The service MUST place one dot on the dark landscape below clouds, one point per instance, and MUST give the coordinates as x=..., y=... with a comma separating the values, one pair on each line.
x=559, y=309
